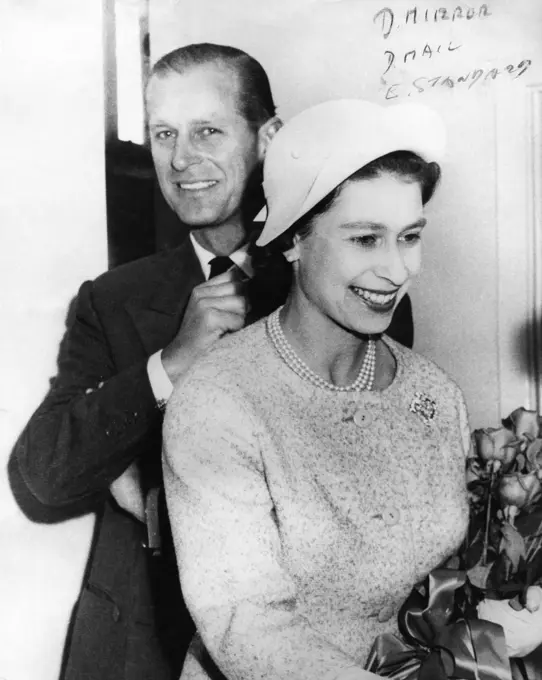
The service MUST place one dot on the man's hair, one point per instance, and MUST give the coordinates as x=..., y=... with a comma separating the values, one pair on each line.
x=255, y=100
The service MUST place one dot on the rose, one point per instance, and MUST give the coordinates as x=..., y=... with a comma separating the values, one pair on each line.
x=522, y=629
x=475, y=476
x=475, y=470
x=519, y=490
x=525, y=424
x=496, y=446
x=534, y=455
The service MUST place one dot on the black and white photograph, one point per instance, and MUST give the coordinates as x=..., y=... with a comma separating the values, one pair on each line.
x=271, y=355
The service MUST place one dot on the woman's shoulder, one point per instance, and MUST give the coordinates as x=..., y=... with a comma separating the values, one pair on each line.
x=422, y=371
x=220, y=395
x=234, y=361
x=239, y=350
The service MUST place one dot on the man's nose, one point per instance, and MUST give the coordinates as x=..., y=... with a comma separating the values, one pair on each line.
x=392, y=266
x=183, y=154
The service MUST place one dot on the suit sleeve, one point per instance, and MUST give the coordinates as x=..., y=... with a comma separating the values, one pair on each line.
x=91, y=425
x=242, y=599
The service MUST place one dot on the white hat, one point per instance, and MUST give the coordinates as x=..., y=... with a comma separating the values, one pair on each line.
x=320, y=147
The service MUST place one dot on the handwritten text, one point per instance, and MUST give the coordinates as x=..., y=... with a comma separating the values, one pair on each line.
x=412, y=55
x=387, y=18
x=468, y=80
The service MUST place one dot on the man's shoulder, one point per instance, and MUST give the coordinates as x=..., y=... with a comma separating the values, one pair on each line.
x=138, y=272
x=137, y=278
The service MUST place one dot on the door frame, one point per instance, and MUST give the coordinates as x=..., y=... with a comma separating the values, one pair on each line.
x=518, y=148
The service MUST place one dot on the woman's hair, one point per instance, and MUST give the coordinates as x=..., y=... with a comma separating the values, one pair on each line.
x=273, y=274
x=255, y=99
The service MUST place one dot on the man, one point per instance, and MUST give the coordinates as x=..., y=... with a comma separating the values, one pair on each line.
x=211, y=115
x=94, y=443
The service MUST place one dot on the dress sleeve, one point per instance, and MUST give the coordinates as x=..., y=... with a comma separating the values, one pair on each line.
x=464, y=425
x=228, y=545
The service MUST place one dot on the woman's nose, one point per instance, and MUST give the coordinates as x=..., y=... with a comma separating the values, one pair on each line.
x=392, y=266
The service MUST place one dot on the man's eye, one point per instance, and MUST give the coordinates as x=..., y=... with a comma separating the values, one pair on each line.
x=162, y=135
x=208, y=132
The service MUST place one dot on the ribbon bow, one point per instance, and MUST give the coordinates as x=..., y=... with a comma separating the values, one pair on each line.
x=435, y=647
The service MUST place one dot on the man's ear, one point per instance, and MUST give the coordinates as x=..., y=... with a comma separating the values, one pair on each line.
x=266, y=133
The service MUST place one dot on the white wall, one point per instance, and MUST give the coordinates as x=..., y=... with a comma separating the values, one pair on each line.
x=52, y=236
x=314, y=50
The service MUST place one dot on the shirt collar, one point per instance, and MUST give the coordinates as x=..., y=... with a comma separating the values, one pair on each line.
x=240, y=257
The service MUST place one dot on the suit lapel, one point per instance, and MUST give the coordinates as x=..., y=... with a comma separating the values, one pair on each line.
x=157, y=318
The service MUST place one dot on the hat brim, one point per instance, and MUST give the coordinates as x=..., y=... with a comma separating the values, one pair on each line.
x=404, y=127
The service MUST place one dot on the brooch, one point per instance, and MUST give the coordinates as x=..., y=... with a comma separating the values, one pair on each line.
x=424, y=406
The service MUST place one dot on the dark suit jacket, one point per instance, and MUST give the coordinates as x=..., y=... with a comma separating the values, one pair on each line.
x=99, y=416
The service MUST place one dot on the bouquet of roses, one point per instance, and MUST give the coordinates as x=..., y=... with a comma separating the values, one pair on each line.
x=484, y=606
x=502, y=553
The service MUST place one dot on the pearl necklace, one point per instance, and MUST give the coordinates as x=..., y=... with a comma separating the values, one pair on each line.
x=365, y=378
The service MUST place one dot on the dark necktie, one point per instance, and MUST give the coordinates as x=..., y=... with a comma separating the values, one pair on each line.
x=219, y=265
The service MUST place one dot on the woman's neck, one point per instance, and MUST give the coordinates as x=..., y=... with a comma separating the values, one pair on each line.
x=332, y=352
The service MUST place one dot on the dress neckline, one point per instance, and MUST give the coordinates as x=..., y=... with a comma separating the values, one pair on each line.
x=388, y=342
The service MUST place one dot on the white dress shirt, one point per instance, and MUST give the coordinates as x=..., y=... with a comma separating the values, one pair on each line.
x=160, y=383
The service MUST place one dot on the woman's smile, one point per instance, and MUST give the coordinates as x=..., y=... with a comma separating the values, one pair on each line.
x=377, y=301
x=360, y=256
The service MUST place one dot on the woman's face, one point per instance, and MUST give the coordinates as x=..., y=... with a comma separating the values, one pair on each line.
x=360, y=256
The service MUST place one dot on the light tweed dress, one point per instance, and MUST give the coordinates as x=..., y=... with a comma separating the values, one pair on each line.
x=303, y=517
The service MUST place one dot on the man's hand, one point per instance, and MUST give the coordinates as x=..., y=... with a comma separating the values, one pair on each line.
x=126, y=490
x=215, y=307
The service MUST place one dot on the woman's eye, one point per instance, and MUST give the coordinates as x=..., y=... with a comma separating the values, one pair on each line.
x=413, y=238
x=367, y=240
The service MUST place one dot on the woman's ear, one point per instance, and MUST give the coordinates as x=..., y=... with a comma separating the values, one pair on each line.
x=292, y=255
x=266, y=133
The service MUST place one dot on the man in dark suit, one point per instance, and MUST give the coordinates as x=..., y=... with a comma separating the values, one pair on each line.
x=94, y=443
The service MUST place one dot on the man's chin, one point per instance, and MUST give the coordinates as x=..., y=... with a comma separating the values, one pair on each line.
x=201, y=220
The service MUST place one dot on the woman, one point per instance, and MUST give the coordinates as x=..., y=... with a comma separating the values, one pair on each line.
x=315, y=468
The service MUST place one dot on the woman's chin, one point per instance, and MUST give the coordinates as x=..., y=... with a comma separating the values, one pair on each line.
x=368, y=329
x=372, y=323
x=371, y=319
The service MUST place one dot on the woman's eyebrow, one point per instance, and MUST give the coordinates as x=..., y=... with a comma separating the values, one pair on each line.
x=358, y=224
x=418, y=224
x=378, y=226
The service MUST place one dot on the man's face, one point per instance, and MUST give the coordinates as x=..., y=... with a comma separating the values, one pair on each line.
x=204, y=151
